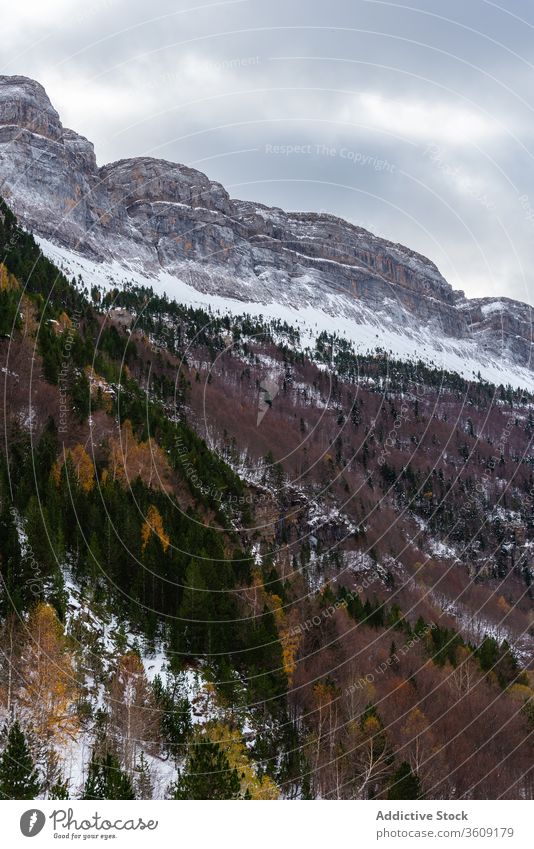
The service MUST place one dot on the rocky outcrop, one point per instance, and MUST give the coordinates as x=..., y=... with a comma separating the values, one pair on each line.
x=47, y=173
x=155, y=215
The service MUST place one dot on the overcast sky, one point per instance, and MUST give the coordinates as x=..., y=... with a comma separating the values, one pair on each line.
x=414, y=120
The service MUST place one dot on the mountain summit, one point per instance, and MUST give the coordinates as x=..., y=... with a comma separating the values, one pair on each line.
x=164, y=221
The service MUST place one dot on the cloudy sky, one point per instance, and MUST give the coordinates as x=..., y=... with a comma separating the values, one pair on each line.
x=415, y=120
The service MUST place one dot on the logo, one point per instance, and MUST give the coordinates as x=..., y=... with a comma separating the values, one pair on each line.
x=32, y=822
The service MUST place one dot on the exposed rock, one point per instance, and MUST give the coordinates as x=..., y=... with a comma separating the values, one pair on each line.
x=160, y=215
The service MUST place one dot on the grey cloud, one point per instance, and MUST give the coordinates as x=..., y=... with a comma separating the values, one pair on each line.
x=428, y=122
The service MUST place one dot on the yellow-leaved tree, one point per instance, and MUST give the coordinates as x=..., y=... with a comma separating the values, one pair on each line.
x=290, y=636
x=82, y=464
x=231, y=742
x=8, y=282
x=153, y=524
x=130, y=459
x=48, y=689
x=288, y=631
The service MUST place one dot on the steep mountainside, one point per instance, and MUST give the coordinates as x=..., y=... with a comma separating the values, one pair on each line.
x=244, y=554
x=171, y=223
x=235, y=565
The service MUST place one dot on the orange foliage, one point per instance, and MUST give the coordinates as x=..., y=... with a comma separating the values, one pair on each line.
x=7, y=281
x=64, y=323
x=49, y=688
x=130, y=459
x=83, y=467
x=153, y=524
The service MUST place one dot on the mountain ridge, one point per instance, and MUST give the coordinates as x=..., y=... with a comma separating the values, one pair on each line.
x=151, y=216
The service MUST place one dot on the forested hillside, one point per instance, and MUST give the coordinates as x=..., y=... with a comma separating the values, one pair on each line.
x=238, y=565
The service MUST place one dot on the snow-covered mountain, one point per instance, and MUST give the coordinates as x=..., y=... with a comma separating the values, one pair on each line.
x=168, y=225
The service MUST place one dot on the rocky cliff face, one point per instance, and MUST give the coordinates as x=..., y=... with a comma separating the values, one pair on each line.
x=155, y=215
x=47, y=172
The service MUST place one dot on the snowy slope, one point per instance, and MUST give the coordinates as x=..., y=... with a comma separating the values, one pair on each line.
x=366, y=329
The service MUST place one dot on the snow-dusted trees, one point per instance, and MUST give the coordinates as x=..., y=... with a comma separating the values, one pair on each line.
x=134, y=716
x=47, y=680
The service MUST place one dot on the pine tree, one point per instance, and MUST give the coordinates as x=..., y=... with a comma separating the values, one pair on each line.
x=60, y=790
x=18, y=777
x=94, y=785
x=143, y=779
x=197, y=607
x=106, y=779
x=117, y=783
x=208, y=775
x=175, y=714
x=16, y=576
x=404, y=784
